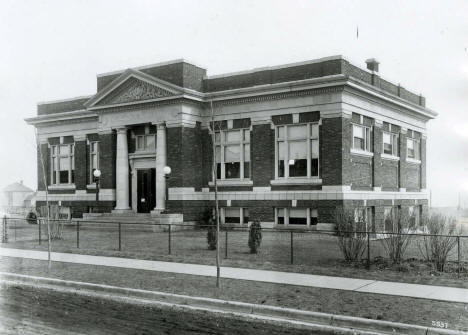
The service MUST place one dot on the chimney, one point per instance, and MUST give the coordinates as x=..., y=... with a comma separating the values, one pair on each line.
x=372, y=65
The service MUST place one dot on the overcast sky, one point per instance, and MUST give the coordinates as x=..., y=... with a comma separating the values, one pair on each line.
x=54, y=49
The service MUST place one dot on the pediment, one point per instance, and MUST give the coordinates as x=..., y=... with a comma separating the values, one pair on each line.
x=133, y=86
x=132, y=90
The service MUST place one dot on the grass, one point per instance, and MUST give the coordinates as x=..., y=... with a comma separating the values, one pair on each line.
x=312, y=253
x=372, y=306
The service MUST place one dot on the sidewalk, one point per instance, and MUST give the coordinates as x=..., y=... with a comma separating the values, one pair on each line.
x=441, y=293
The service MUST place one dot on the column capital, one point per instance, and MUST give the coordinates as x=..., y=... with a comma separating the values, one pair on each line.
x=160, y=125
x=79, y=137
x=121, y=130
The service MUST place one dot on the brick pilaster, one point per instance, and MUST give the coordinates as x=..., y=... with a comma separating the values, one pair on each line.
x=107, y=159
x=262, y=155
x=81, y=164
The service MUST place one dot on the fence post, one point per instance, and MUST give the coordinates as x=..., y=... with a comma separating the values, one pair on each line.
x=169, y=239
x=39, y=224
x=292, y=248
x=226, y=245
x=120, y=237
x=368, y=251
x=458, y=251
x=78, y=234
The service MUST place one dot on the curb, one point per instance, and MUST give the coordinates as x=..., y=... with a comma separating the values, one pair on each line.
x=330, y=323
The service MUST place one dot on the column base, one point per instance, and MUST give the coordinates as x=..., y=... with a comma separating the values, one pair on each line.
x=122, y=211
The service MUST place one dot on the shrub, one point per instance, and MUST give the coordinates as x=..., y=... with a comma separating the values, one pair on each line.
x=351, y=240
x=31, y=218
x=211, y=235
x=396, y=242
x=55, y=223
x=436, y=246
x=255, y=236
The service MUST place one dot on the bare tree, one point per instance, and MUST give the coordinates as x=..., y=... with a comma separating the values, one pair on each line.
x=351, y=235
x=396, y=242
x=44, y=178
x=440, y=240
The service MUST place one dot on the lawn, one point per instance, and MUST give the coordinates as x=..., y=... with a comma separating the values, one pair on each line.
x=311, y=253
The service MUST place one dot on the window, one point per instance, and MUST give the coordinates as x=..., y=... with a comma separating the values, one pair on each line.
x=297, y=150
x=145, y=142
x=364, y=219
x=391, y=218
x=93, y=159
x=62, y=164
x=361, y=138
x=64, y=213
x=296, y=216
x=232, y=154
x=390, y=144
x=412, y=146
x=414, y=213
x=235, y=215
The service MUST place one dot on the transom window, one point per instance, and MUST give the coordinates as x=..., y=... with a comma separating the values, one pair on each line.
x=390, y=143
x=235, y=215
x=232, y=154
x=62, y=164
x=145, y=142
x=297, y=150
x=93, y=159
x=412, y=146
x=361, y=138
x=296, y=216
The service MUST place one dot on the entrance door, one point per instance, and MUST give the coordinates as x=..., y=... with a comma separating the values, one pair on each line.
x=146, y=190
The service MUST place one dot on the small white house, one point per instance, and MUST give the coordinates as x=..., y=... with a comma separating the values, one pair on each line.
x=16, y=194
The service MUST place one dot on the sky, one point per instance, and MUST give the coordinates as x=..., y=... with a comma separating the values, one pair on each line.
x=54, y=49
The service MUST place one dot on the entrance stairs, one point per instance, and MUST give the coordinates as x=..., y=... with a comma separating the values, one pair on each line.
x=157, y=222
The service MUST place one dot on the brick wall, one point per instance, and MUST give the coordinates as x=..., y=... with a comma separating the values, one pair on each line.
x=331, y=151
x=262, y=155
x=81, y=164
x=107, y=159
x=389, y=175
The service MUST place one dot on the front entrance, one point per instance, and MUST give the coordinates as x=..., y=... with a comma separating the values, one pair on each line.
x=146, y=190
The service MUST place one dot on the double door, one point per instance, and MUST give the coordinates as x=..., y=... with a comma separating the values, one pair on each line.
x=146, y=190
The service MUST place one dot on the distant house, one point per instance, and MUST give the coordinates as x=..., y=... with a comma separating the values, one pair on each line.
x=16, y=194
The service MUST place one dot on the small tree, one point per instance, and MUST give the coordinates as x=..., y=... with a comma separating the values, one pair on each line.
x=441, y=239
x=351, y=234
x=255, y=236
x=212, y=236
x=396, y=242
x=55, y=226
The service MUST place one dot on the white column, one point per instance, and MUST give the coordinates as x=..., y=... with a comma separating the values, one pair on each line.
x=122, y=172
x=161, y=162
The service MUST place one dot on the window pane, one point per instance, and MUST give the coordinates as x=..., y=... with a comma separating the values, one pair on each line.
x=281, y=216
x=218, y=137
x=140, y=142
x=386, y=138
x=315, y=148
x=246, y=152
x=64, y=163
x=314, y=168
x=299, y=131
x=410, y=144
x=395, y=145
x=281, y=150
x=297, y=150
x=416, y=150
x=246, y=135
x=232, y=153
x=281, y=168
x=281, y=132
x=298, y=168
x=358, y=143
x=246, y=215
x=54, y=150
x=298, y=216
x=218, y=170
x=150, y=141
x=218, y=154
x=231, y=215
x=94, y=162
x=388, y=149
x=358, y=131
x=233, y=136
x=64, y=150
x=313, y=217
x=63, y=176
x=314, y=130
x=232, y=170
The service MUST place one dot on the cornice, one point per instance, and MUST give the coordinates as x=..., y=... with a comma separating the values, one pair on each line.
x=78, y=116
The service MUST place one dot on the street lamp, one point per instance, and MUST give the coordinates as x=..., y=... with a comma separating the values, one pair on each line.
x=97, y=175
x=167, y=171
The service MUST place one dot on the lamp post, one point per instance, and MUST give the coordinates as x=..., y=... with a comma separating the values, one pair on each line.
x=167, y=171
x=97, y=175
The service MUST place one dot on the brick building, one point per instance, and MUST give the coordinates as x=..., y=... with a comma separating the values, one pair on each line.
x=292, y=143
